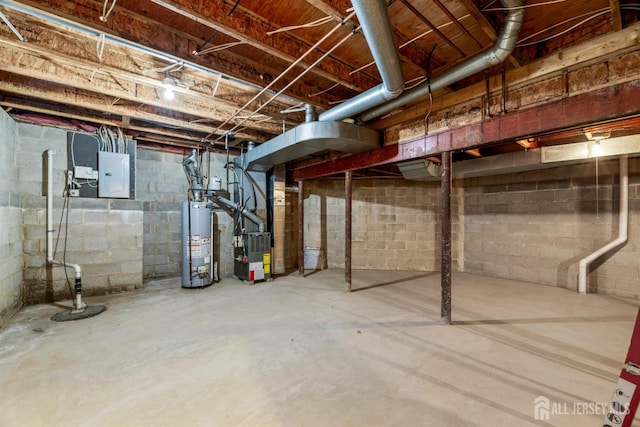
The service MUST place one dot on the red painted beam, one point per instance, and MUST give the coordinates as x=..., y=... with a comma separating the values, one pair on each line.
x=614, y=102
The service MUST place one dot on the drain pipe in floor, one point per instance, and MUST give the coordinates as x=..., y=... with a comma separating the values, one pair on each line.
x=623, y=222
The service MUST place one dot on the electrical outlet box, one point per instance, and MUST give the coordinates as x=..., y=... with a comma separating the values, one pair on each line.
x=74, y=192
x=84, y=172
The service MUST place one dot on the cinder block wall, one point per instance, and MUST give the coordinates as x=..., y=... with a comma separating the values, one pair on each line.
x=536, y=226
x=395, y=226
x=104, y=236
x=10, y=222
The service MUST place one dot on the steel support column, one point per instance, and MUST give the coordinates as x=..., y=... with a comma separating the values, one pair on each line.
x=347, y=230
x=301, y=228
x=445, y=269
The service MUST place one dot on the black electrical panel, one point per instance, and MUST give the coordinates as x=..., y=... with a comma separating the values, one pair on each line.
x=83, y=164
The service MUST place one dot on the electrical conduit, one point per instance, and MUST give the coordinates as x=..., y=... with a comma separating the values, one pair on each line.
x=78, y=304
x=623, y=222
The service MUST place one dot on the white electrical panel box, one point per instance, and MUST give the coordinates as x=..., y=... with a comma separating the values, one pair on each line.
x=113, y=181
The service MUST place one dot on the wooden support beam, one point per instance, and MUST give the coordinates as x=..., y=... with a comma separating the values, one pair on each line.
x=139, y=28
x=610, y=45
x=607, y=104
x=457, y=23
x=96, y=104
x=62, y=70
x=616, y=15
x=253, y=31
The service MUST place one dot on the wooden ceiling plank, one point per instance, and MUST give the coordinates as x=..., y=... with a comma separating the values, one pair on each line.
x=456, y=22
x=140, y=29
x=433, y=28
x=254, y=32
x=486, y=26
x=410, y=54
x=31, y=60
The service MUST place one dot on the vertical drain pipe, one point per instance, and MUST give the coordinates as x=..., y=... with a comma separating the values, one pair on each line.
x=623, y=223
x=445, y=269
x=78, y=305
x=347, y=229
x=301, y=228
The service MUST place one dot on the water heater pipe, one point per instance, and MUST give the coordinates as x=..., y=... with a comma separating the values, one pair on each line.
x=623, y=223
x=78, y=304
x=242, y=210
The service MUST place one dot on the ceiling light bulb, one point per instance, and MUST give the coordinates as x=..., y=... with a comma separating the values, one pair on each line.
x=168, y=84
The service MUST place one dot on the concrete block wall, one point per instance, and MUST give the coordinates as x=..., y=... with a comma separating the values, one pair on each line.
x=103, y=236
x=395, y=226
x=536, y=226
x=10, y=223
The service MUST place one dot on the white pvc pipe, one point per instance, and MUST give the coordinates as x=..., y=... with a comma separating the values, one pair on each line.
x=78, y=271
x=623, y=221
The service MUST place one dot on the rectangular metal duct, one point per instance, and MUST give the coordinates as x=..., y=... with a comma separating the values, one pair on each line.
x=310, y=138
x=522, y=161
x=420, y=170
x=590, y=149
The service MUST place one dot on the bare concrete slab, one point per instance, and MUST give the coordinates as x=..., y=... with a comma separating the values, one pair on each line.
x=302, y=352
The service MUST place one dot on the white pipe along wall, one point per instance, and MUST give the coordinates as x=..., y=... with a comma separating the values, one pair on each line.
x=78, y=304
x=623, y=222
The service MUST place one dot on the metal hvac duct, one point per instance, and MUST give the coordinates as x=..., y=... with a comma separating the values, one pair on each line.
x=375, y=23
x=329, y=133
x=310, y=138
x=497, y=54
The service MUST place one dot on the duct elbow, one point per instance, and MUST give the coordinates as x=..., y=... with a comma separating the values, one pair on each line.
x=394, y=93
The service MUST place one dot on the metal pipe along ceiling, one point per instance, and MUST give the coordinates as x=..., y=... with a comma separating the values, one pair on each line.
x=498, y=53
x=374, y=19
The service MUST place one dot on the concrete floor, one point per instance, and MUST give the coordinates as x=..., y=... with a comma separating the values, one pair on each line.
x=304, y=353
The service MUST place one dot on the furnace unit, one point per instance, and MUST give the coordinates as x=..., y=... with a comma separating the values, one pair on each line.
x=252, y=256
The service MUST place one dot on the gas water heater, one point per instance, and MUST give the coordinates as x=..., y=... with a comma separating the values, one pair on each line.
x=198, y=262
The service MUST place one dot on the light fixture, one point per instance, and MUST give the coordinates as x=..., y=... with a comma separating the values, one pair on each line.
x=595, y=137
x=168, y=85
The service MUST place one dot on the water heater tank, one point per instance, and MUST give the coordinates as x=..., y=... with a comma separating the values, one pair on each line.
x=198, y=261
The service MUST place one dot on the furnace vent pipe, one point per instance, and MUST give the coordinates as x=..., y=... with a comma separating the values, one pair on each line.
x=494, y=56
x=623, y=224
x=374, y=20
x=309, y=113
x=78, y=304
x=244, y=211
